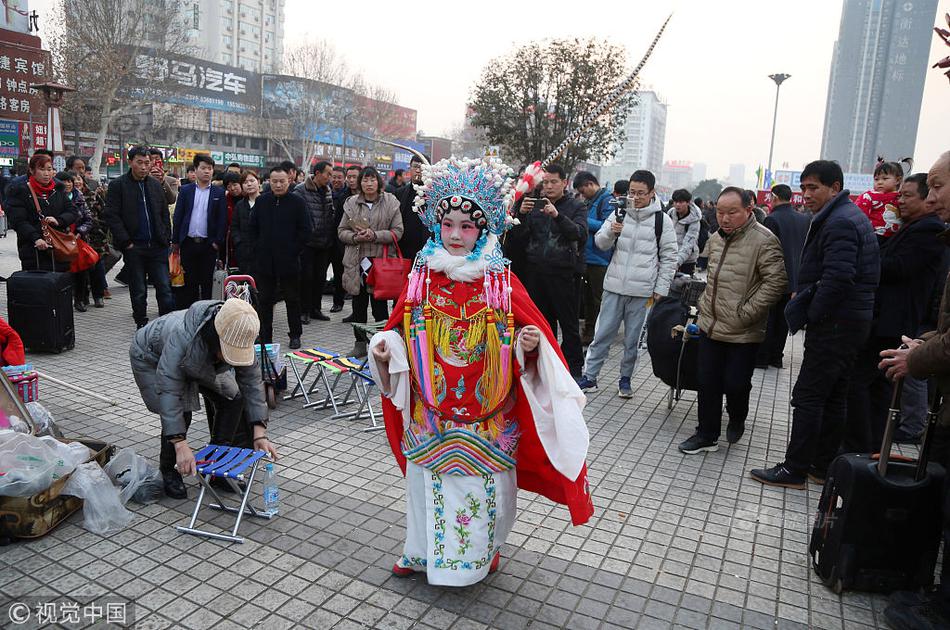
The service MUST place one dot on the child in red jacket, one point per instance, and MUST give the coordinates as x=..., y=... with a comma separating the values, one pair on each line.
x=881, y=204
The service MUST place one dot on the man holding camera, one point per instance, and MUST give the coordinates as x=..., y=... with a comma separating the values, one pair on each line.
x=641, y=269
x=552, y=234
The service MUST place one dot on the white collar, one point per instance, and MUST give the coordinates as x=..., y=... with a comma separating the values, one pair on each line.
x=460, y=268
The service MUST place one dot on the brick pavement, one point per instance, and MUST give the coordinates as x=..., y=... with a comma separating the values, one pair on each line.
x=676, y=541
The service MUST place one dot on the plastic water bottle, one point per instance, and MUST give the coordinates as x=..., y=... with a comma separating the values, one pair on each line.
x=271, y=494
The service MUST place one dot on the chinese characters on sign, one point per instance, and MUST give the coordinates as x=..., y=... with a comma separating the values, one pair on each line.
x=20, y=66
x=196, y=83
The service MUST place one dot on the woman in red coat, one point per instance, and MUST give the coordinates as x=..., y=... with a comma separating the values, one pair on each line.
x=477, y=399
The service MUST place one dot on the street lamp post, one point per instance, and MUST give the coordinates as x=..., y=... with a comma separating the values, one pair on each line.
x=779, y=79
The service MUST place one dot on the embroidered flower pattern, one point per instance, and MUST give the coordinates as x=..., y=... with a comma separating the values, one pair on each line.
x=463, y=519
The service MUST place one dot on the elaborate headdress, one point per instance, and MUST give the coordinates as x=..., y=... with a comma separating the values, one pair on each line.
x=481, y=188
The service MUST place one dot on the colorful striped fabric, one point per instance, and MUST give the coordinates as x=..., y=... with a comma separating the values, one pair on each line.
x=313, y=355
x=458, y=452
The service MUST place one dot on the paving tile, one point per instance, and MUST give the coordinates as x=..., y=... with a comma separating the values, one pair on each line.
x=675, y=540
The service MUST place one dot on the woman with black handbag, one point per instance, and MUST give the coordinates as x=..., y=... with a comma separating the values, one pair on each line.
x=41, y=214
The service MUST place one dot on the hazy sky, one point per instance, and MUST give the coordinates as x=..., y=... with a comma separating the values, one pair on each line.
x=711, y=67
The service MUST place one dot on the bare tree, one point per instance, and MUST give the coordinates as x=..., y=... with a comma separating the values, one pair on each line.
x=304, y=112
x=95, y=45
x=325, y=97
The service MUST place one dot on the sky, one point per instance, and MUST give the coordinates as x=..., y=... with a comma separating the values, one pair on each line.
x=711, y=67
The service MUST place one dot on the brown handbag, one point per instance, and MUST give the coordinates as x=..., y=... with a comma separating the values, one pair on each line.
x=64, y=244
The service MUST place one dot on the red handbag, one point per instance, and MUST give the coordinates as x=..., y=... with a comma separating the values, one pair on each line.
x=87, y=258
x=388, y=276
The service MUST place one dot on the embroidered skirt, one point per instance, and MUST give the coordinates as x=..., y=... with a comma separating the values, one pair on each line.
x=455, y=524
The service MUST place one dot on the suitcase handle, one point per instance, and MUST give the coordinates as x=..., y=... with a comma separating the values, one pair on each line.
x=893, y=417
x=36, y=252
x=936, y=402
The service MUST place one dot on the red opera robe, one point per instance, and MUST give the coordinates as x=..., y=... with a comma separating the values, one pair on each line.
x=535, y=472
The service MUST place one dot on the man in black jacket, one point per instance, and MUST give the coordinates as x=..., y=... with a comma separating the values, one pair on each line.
x=790, y=227
x=839, y=273
x=552, y=234
x=279, y=229
x=318, y=252
x=416, y=234
x=910, y=261
x=141, y=229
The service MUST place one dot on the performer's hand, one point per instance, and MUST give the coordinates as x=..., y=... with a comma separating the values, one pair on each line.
x=530, y=338
x=40, y=244
x=381, y=352
x=184, y=459
x=51, y=221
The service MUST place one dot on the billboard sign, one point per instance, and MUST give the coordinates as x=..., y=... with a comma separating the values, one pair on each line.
x=855, y=182
x=194, y=82
x=401, y=157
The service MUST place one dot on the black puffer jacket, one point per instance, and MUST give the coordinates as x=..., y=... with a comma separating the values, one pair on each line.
x=23, y=218
x=554, y=246
x=910, y=263
x=320, y=209
x=841, y=252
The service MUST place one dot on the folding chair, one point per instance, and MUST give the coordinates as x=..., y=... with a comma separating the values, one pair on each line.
x=331, y=372
x=360, y=384
x=308, y=358
x=231, y=463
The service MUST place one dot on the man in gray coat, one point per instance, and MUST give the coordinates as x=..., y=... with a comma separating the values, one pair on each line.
x=208, y=349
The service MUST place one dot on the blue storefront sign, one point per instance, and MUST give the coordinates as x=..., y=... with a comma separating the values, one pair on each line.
x=9, y=138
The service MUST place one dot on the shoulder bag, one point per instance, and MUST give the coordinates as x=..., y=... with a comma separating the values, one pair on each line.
x=64, y=245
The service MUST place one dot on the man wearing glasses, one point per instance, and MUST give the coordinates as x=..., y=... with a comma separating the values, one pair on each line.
x=641, y=269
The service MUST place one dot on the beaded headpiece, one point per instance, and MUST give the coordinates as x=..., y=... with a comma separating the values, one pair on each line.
x=476, y=186
x=481, y=188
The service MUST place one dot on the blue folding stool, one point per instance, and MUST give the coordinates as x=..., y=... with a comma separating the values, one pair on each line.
x=233, y=464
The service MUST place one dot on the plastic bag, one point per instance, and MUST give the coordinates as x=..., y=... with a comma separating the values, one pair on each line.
x=43, y=420
x=103, y=512
x=30, y=464
x=176, y=273
x=138, y=480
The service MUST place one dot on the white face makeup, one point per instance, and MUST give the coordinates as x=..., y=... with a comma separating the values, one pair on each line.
x=459, y=233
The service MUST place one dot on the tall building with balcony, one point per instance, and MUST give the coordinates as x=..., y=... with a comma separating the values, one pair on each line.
x=247, y=34
x=877, y=81
x=645, y=138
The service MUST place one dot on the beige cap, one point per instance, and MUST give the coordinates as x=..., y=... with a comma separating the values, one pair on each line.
x=237, y=325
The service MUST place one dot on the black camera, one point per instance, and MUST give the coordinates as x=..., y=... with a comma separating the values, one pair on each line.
x=620, y=208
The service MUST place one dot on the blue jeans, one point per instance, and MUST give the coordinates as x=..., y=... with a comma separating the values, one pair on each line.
x=614, y=309
x=148, y=264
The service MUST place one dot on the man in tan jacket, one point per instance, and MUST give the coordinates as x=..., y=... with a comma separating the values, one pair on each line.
x=746, y=277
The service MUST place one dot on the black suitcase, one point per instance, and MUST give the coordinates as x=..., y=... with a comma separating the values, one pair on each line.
x=40, y=306
x=879, y=519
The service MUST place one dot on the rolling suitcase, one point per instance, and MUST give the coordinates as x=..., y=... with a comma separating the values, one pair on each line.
x=40, y=306
x=879, y=519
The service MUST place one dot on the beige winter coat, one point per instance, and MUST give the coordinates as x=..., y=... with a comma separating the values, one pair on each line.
x=384, y=219
x=746, y=276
